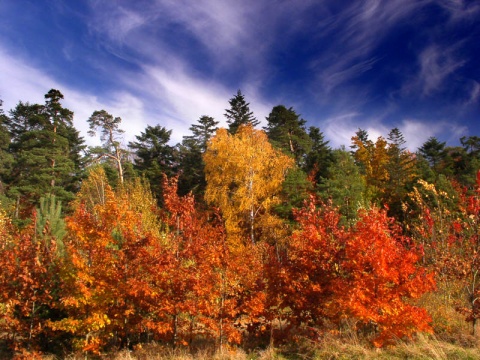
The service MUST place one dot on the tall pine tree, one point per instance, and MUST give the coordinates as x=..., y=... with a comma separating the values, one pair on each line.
x=286, y=131
x=47, y=153
x=111, y=136
x=239, y=113
x=190, y=156
x=154, y=157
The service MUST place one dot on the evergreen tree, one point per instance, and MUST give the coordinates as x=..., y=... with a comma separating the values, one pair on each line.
x=49, y=221
x=202, y=132
x=154, y=157
x=433, y=151
x=190, y=156
x=467, y=160
x=23, y=118
x=401, y=172
x=46, y=149
x=286, y=131
x=320, y=156
x=110, y=135
x=295, y=190
x=239, y=113
x=344, y=186
x=471, y=144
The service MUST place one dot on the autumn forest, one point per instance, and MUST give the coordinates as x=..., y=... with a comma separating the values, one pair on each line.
x=237, y=237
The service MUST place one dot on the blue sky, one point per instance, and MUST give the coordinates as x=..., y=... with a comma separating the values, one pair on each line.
x=342, y=65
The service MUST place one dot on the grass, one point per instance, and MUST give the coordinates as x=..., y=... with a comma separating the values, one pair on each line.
x=330, y=347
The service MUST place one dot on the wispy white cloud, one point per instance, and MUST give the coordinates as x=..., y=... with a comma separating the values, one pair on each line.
x=175, y=93
x=474, y=93
x=232, y=37
x=358, y=29
x=24, y=82
x=436, y=63
x=461, y=10
x=170, y=96
x=340, y=128
x=177, y=99
x=417, y=131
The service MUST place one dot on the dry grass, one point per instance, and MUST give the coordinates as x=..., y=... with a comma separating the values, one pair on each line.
x=330, y=347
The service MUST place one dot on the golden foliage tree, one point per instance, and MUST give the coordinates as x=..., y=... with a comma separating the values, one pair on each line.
x=111, y=244
x=373, y=159
x=244, y=174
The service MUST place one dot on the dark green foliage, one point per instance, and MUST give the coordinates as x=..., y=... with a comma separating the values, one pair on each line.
x=467, y=160
x=190, y=157
x=239, y=113
x=320, y=156
x=471, y=145
x=433, y=151
x=286, y=131
x=344, y=186
x=201, y=133
x=401, y=173
x=23, y=118
x=47, y=153
x=154, y=157
x=295, y=190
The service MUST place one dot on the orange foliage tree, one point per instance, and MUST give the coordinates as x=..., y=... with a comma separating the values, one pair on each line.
x=215, y=292
x=382, y=274
x=366, y=273
x=132, y=275
x=28, y=269
x=108, y=249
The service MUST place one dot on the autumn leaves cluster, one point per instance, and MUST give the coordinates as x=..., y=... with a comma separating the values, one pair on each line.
x=126, y=270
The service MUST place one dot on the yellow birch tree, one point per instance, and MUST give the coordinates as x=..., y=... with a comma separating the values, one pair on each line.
x=244, y=175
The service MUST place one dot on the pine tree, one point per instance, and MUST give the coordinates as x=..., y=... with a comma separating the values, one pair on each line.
x=190, y=152
x=344, y=185
x=401, y=172
x=286, y=130
x=320, y=157
x=154, y=157
x=47, y=153
x=110, y=135
x=239, y=113
x=433, y=151
x=49, y=221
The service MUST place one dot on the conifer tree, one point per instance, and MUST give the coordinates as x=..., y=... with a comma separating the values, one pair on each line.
x=286, y=130
x=344, y=185
x=239, y=113
x=50, y=222
x=433, y=151
x=47, y=153
x=320, y=156
x=110, y=135
x=153, y=156
x=401, y=171
x=190, y=152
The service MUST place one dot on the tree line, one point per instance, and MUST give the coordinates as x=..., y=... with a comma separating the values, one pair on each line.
x=234, y=236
